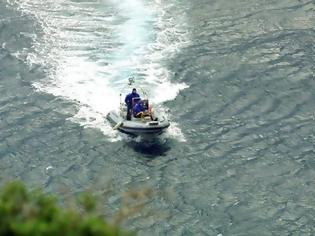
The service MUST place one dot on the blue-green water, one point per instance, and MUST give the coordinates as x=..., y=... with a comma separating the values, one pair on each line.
x=236, y=79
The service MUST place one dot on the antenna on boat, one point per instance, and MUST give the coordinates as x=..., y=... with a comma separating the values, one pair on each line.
x=131, y=80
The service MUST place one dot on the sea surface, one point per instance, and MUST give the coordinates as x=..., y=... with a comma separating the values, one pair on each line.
x=235, y=78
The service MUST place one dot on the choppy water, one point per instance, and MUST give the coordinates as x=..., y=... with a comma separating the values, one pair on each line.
x=237, y=78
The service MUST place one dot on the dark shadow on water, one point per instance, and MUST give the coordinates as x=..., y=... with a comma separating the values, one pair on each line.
x=151, y=148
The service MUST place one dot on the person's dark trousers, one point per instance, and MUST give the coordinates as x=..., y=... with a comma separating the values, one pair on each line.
x=128, y=113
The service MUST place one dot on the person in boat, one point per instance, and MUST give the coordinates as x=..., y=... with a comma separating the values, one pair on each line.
x=141, y=109
x=138, y=109
x=128, y=101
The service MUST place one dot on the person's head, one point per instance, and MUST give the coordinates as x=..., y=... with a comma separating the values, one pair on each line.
x=134, y=90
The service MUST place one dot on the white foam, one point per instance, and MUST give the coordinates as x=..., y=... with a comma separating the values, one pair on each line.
x=95, y=84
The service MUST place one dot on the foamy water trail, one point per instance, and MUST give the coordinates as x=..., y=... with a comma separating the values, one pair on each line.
x=92, y=53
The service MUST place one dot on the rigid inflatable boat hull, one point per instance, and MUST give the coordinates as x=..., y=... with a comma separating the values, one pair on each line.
x=137, y=126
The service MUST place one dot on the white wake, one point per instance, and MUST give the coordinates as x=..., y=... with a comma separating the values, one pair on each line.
x=92, y=51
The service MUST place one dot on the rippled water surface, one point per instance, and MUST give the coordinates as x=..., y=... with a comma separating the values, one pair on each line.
x=235, y=78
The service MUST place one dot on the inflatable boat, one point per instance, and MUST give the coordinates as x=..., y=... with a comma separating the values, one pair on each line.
x=149, y=124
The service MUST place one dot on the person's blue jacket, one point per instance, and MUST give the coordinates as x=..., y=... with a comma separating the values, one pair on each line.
x=138, y=108
x=129, y=97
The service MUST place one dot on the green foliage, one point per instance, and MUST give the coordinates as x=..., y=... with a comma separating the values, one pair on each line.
x=87, y=201
x=25, y=213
